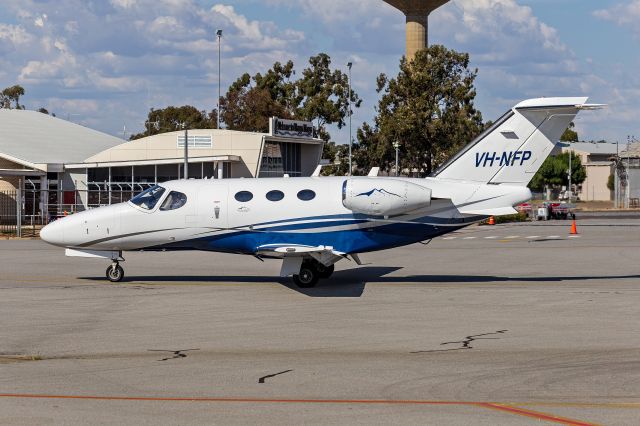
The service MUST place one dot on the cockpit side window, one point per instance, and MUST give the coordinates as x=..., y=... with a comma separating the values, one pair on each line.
x=174, y=200
x=149, y=198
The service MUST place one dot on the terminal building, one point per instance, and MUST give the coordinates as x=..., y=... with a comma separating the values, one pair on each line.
x=597, y=158
x=71, y=167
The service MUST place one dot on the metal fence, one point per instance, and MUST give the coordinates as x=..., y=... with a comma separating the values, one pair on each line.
x=24, y=212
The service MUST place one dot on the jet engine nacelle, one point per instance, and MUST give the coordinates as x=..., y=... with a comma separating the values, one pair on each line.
x=384, y=197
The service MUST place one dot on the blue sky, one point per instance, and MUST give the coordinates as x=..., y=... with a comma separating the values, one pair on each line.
x=104, y=63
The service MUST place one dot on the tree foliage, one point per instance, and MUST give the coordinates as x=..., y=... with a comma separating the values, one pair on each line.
x=428, y=108
x=554, y=172
x=320, y=95
x=570, y=135
x=171, y=118
x=11, y=95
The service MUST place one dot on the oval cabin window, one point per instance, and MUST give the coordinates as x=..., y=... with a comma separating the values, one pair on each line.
x=306, y=195
x=275, y=195
x=244, y=196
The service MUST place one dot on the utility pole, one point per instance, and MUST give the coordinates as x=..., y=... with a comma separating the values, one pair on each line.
x=186, y=150
x=349, y=64
x=396, y=145
x=616, y=183
x=570, y=170
x=219, y=34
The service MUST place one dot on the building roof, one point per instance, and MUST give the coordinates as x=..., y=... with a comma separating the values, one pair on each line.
x=32, y=137
x=632, y=150
x=592, y=147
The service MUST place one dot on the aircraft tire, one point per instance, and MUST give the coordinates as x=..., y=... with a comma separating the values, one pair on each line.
x=324, y=271
x=307, y=277
x=115, y=273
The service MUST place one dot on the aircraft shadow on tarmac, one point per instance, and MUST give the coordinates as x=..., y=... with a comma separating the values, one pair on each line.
x=352, y=282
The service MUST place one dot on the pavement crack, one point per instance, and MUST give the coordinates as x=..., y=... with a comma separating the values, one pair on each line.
x=262, y=379
x=466, y=342
x=176, y=354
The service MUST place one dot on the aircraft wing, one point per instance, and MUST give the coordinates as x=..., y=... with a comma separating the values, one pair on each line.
x=293, y=249
x=293, y=255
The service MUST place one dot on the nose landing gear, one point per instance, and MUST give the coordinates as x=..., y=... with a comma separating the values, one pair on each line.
x=115, y=273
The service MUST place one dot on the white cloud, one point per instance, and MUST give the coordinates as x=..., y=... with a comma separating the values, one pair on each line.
x=621, y=14
x=14, y=35
x=40, y=20
x=125, y=56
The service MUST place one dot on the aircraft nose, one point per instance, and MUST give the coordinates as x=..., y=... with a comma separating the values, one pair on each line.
x=53, y=233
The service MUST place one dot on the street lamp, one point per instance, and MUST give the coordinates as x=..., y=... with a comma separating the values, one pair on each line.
x=186, y=149
x=349, y=64
x=396, y=145
x=570, y=170
x=219, y=34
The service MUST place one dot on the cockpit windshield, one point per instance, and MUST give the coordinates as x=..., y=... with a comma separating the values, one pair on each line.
x=149, y=198
x=174, y=200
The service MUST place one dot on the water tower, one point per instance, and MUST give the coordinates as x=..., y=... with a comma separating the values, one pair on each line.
x=417, y=13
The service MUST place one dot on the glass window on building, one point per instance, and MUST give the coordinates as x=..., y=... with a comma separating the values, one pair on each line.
x=144, y=174
x=280, y=158
x=98, y=174
x=207, y=170
x=167, y=172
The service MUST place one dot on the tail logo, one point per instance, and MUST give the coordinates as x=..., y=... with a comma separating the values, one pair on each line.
x=484, y=159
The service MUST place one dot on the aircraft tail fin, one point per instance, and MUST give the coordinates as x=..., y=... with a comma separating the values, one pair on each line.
x=513, y=149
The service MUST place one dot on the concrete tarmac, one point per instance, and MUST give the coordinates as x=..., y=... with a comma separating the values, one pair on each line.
x=510, y=324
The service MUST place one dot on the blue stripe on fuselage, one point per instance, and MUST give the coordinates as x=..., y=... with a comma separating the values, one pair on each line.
x=346, y=241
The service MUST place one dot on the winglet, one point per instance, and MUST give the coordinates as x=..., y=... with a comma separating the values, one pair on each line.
x=316, y=172
x=374, y=171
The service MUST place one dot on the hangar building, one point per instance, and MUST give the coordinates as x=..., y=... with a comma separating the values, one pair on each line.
x=69, y=167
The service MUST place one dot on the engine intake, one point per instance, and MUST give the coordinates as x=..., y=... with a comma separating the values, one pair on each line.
x=384, y=197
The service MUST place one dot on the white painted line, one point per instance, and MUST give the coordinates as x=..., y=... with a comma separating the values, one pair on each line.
x=491, y=238
x=469, y=238
x=511, y=237
x=534, y=236
x=574, y=236
x=449, y=238
x=553, y=236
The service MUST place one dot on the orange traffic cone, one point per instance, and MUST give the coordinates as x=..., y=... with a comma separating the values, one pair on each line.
x=492, y=221
x=65, y=213
x=574, y=228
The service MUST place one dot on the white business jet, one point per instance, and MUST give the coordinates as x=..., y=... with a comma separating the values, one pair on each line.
x=312, y=223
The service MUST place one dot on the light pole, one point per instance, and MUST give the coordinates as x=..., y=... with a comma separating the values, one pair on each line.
x=349, y=64
x=186, y=149
x=570, y=170
x=396, y=145
x=219, y=34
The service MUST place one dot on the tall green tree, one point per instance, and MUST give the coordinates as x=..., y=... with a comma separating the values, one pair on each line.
x=428, y=108
x=320, y=94
x=251, y=101
x=554, y=172
x=171, y=118
x=11, y=94
x=570, y=135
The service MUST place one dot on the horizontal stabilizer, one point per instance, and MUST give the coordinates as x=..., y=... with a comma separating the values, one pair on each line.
x=498, y=211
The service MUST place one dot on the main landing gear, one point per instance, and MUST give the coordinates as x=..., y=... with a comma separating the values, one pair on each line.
x=115, y=273
x=310, y=272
